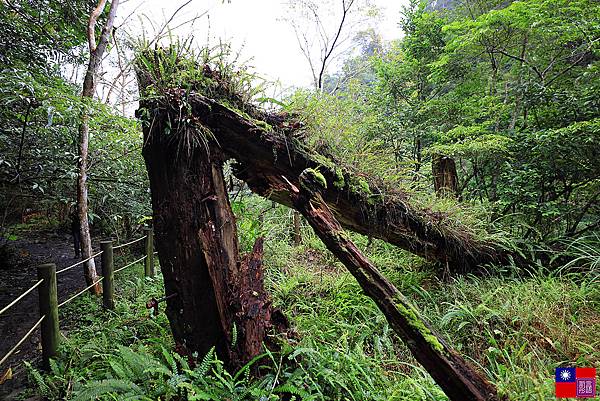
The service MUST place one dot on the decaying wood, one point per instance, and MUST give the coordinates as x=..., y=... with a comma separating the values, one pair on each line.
x=220, y=300
x=197, y=241
x=459, y=380
x=445, y=178
x=266, y=153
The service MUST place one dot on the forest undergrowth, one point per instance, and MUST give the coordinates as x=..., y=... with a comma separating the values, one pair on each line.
x=515, y=326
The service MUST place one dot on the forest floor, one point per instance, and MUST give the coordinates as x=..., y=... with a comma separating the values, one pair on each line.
x=26, y=250
x=515, y=326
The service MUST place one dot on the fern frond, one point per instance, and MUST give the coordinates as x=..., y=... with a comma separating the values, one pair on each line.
x=93, y=390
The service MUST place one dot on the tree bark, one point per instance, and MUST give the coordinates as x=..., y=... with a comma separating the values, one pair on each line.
x=221, y=301
x=269, y=157
x=459, y=380
x=445, y=178
x=89, y=87
x=297, y=234
x=89, y=267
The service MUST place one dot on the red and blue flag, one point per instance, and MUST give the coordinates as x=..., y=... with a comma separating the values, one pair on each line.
x=575, y=382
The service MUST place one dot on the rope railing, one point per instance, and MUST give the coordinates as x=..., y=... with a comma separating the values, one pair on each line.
x=99, y=280
x=131, y=264
x=130, y=243
x=80, y=292
x=22, y=340
x=48, y=292
x=79, y=263
x=20, y=297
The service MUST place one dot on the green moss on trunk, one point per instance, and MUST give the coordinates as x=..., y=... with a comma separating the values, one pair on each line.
x=412, y=317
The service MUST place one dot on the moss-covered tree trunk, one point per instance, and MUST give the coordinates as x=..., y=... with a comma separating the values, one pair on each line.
x=268, y=156
x=459, y=380
x=220, y=299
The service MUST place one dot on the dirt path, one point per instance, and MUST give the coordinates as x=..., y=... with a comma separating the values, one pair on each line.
x=19, y=273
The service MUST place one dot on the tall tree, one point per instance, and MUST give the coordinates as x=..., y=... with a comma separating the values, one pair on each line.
x=96, y=49
x=320, y=40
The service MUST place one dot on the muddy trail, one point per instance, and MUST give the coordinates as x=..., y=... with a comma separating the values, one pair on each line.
x=18, y=261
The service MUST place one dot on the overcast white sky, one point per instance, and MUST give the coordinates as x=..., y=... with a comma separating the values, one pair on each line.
x=254, y=24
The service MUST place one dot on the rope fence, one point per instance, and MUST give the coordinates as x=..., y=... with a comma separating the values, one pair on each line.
x=20, y=297
x=79, y=263
x=131, y=264
x=22, y=340
x=80, y=292
x=100, y=253
x=48, y=293
x=130, y=243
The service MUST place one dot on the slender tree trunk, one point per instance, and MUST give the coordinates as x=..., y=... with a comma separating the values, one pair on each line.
x=89, y=268
x=418, y=157
x=89, y=87
x=297, y=234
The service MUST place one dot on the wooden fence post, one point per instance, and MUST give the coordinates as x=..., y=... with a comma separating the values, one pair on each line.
x=48, y=299
x=108, y=273
x=149, y=262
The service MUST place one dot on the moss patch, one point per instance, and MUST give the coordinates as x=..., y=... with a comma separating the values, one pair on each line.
x=323, y=161
x=416, y=323
x=339, y=181
x=263, y=125
x=317, y=176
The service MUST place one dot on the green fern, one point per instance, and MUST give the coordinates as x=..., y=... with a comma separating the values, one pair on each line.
x=123, y=388
x=169, y=359
x=208, y=359
x=234, y=335
x=38, y=379
x=291, y=389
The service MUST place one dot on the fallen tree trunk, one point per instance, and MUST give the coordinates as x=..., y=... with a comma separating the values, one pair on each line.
x=265, y=149
x=214, y=299
x=459, y=380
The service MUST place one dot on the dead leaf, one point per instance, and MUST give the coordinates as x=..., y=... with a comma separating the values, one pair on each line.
x=6, y=376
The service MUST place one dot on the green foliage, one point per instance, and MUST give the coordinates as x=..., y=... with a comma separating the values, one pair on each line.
x=511, y=93
x=173, y=73
x=516, y=328
x=216, y=72
x=40, y=112
x=341, y=126
x=40, y=116
x=31, y=31
x=521, y=329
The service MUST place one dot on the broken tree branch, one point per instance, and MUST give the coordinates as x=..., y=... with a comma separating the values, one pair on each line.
x=221, y=300
x=459, y=380
x=265, y=149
